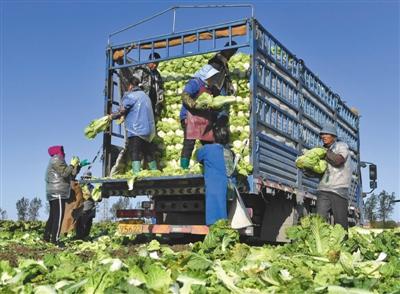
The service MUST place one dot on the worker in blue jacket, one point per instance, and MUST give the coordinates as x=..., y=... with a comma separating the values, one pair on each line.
x=217, y=160
x=140, y=125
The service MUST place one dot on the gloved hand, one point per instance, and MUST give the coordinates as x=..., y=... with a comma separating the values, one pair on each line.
x=121, y=120
x=75, y=161
x=84, y=162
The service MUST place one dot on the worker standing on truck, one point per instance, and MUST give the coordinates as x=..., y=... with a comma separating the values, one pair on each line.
x=87, y=212
x=197, y=123
x=58, y=186
x=222, y=82
x=333, y=189
x=149, y=77
x=218, y=162
x=139, y=123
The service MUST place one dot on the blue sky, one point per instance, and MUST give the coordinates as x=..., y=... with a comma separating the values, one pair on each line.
x=53, y=57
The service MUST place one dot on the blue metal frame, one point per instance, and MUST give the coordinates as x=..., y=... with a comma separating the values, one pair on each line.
x=296, y=87
x=332, y=109
x=182, y=34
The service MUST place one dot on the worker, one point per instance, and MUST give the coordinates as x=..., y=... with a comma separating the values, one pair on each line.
x=150, y=80
x=87, y=212
x=58, y=185
x=222, y=83
x=140, y=126
x=197, y=124
x=218, y=162
x=333, y=189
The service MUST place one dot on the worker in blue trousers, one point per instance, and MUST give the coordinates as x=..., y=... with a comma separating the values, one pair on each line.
x=218, y=162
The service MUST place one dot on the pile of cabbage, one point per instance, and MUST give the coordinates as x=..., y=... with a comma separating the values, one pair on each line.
x=313, y=160
x=320, y=259
x=176, y=73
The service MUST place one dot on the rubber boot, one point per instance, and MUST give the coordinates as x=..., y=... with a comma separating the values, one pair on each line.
x=136, y=166
x=152, y=165
x=185, y=163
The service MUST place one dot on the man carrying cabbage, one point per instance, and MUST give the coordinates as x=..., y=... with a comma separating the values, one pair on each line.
x=333, y=189
x=140, y=126
x=197, y=121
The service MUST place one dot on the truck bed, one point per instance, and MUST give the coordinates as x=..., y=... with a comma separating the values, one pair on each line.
x=165, y=185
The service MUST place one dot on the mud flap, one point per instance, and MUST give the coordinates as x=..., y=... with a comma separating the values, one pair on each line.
x=238, y=215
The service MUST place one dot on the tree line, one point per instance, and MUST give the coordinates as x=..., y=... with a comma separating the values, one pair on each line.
x=378, y=208
x=29, y=210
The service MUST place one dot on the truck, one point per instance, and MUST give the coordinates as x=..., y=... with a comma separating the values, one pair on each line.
x=288, y=106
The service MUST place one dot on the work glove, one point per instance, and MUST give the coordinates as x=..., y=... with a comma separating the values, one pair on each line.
x=75, y=161
x=121, y=120
x=84, y=162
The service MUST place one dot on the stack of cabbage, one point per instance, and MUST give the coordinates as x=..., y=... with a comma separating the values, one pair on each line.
x=176, y=73
x=313, y=160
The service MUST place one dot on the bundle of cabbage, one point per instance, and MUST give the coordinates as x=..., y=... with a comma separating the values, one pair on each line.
x=313, y=160
x=96, y=126
x=176, y=73
x=206, y=100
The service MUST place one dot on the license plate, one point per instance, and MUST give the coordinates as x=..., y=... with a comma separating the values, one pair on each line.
x=126, y=229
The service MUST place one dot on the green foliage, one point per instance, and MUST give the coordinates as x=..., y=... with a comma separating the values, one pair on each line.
x=318, y=260
x=22, y=206
x=385, y=205
x=33, y=210
x=370, y=207
x=122, y=203
x=380, y=207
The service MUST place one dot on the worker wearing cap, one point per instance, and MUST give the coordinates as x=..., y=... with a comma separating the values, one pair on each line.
x=150, y=80
x=333, y=189
x=222, y=83
x=87, y=212
x=197, y=124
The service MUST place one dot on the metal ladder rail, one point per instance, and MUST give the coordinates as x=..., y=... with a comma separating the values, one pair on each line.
x=137, y=46
x=174, y=9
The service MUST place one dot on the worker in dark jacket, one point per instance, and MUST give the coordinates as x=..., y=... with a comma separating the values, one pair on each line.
x=87, y=212
x=218, y=162
x=140, y=126
x=333, y=189
x=149, y=77
x=221, y=82
x=58, y=179
x=197, y=123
